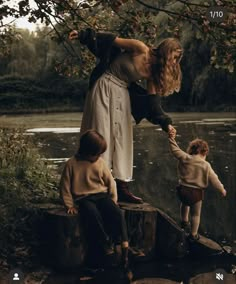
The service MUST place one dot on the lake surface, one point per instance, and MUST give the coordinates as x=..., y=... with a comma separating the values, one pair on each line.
x=155, y=175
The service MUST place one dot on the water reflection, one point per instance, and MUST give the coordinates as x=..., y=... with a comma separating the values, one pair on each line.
x=55, y=130
x=155, y=175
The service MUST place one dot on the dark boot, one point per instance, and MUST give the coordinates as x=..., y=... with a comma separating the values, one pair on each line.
x=124, y=195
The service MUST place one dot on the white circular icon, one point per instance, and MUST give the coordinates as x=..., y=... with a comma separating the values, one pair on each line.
x=16, y=276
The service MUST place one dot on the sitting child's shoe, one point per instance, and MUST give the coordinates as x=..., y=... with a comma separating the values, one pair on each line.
x=194, y=238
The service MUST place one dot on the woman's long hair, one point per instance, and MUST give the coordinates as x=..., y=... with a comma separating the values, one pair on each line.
x=167, y=75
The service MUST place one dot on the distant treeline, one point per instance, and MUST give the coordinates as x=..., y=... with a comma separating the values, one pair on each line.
x=25, y=95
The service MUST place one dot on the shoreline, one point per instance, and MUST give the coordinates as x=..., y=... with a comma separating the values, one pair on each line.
x=73, y=119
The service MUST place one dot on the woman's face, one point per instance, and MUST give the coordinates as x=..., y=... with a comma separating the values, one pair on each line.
x=176, y=56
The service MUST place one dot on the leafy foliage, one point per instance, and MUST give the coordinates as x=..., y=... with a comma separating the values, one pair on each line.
x=25, y=180
x=147, y=20
x=209, y=47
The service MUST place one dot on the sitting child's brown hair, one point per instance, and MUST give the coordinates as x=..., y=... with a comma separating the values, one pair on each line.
x=198, y=146
x=92, y=143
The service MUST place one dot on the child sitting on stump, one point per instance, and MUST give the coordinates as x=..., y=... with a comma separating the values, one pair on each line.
x=195, y=174
x=86, y=183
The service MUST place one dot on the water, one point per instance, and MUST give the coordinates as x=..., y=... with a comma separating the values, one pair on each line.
x=155, y=175
x=156, y=178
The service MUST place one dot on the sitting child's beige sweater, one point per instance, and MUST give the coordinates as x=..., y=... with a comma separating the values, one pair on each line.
x=81, y=178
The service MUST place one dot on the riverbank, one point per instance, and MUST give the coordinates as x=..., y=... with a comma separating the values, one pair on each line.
x=74, y=107
x=73, y=119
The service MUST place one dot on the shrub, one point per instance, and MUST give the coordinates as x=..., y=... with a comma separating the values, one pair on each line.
x=25, y=180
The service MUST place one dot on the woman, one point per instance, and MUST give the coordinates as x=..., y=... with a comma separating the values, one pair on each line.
x=107, y=107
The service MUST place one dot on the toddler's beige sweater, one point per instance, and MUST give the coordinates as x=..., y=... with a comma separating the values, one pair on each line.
x=193, y=170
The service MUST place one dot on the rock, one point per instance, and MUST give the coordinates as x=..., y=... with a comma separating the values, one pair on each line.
x=211, y=277
x=170, y=238
x=155, y=281
x=205, y=247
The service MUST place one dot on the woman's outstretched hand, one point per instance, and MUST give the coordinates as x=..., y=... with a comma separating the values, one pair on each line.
x=73, y=35
x=171, y=131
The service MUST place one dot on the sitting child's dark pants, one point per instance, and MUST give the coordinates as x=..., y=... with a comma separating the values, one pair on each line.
x=103, y=217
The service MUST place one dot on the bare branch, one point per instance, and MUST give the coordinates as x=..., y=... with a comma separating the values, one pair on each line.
x=193, y=4
x=7, y=24
x=167, y=11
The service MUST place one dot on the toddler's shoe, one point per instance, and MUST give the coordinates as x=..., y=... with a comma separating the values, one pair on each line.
x=186, y=226
x=192, y=238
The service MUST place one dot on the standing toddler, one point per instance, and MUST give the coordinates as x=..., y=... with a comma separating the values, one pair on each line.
x=195, y=174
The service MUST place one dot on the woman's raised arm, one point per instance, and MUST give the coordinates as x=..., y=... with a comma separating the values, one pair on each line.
x=133, y=45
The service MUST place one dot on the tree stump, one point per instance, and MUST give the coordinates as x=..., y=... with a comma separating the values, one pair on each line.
x=141, y=222
x=150, y=231
x=64, y=244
